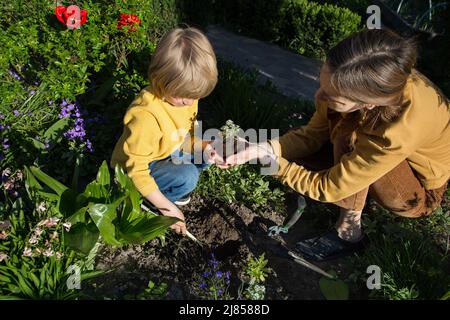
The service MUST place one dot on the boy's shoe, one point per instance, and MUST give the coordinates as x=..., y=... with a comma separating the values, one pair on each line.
x=329, y=246
x=183, y=201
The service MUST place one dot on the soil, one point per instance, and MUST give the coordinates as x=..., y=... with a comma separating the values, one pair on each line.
x=233, y=233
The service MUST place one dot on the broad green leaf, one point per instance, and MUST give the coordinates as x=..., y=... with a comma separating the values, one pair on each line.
x=31, y=183
x=145, y=229
x=38, y=144
x=122, y=178
x=95, y=192
x=54, y=132
x=68, y=203
x=79, y=216
x=334, y=289
x=53, y=184
x=103, y=216
x=82, y=237
x=103, y=177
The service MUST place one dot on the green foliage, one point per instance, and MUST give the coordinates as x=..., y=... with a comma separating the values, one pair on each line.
x=334, y=289
x=407, y=252
x=256, y=271
x=240, y=97
x=311, y=29
x=241, y=184
x=307, y=27
x=111, y=211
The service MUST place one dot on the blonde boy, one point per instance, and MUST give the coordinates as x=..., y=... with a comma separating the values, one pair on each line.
x=183, y=69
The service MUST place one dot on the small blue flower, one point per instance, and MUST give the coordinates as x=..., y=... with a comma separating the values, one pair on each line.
x=16, y=113
x=219, y=274
x=50, y=102
x=63, y=103
x=206, y=274
x=202, y=285
x=220, y=291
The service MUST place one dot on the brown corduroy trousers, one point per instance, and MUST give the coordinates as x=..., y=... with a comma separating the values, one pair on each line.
x=398, y=191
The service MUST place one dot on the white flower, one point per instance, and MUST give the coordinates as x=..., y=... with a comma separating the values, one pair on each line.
x=41, y=207
x=54, y=235
x=67, y=226
x=38, y=231
x=49, y=223
x=6, y=172
x=48, y=252
x=27, y=252
x=3, y=235
x=33, y=239
x=3, y=256
x=59, y=255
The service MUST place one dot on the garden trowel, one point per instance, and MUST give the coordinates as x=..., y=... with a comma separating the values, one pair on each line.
x=290, y=221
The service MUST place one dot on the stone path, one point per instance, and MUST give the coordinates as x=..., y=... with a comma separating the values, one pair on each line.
x=293, y=74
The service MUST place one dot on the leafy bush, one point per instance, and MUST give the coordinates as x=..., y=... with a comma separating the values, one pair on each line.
x=241, y=184
x=311, y=29
x=46, y=67
x=307, y=27
x=110, y=211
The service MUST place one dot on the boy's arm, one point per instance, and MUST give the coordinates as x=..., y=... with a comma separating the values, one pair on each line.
x=167, y=208
x=143, y=136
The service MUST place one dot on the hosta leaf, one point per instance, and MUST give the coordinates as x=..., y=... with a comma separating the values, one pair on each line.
x=82, y=237
x=103, y=216
x=334, y=289
x=103, y=177
x=146, y=228
x=53, y=184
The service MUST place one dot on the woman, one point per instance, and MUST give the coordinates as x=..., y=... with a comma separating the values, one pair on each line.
x=390, y=132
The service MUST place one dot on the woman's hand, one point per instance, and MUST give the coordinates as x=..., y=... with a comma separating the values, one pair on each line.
x=257, y=151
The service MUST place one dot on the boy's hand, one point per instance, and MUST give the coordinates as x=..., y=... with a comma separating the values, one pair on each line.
x=180, y=226
x=212, y=157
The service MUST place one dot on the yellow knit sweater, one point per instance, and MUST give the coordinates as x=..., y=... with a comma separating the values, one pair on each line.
x=153, y=129
x=421, y=136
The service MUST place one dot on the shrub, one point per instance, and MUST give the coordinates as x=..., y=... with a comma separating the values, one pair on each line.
x=311, y=29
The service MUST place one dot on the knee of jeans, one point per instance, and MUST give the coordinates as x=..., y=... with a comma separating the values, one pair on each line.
x=190, y=176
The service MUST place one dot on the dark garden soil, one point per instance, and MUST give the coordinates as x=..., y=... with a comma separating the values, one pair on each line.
x=233, y=233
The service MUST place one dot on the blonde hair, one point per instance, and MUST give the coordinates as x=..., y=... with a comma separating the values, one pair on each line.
x=184, y=65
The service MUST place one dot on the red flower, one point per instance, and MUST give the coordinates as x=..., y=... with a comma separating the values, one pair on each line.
x=68, y=16
x=130, y=20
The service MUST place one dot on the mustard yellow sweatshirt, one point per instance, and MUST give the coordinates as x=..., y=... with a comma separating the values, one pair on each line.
x=421, y=136
x=153, y=129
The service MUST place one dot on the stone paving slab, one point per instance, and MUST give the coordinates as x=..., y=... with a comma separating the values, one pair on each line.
x=294, y=75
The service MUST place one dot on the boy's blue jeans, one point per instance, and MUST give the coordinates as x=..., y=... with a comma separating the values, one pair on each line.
x=176, y=175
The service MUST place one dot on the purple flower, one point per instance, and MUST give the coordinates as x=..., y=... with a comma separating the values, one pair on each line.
x=220, y=291
x=16, y=113
x=1, y=157
x=50, y=102
x=14, y=73
x=63, y=103
x=219, y=274
x=5, y=144
x=2, y=116
x=206, y=274
x=202, y=285
x=2, y=127
x=32, y=92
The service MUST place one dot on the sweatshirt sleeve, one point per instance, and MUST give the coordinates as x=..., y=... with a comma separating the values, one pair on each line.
x=306, y=140
x=143, y=137
x=371, y=159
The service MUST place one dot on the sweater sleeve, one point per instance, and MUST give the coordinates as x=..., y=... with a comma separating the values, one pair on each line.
x=306, y=140
x=143, y=136
x=371, y=159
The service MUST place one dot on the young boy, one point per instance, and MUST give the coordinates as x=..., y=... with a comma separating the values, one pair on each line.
x=159, y=124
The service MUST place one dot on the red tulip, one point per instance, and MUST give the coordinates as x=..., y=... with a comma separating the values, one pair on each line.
x=68, y=16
